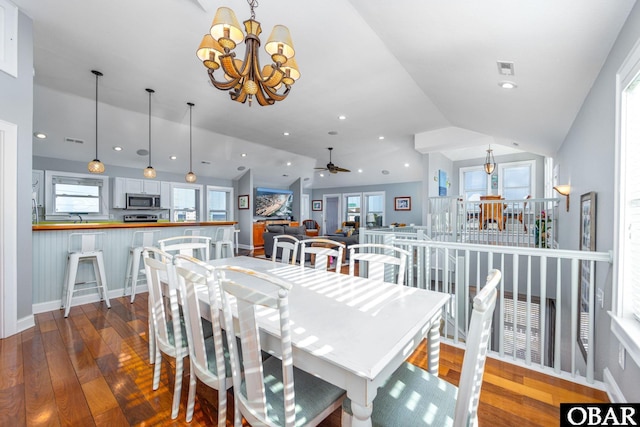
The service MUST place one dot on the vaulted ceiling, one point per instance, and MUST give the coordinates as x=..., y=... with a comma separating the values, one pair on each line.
x=395, y=69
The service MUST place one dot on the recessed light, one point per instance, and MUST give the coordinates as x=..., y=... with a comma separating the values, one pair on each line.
x=406, y=165
x=342, y=117
x=117, y=148
x=241, y=168
x=285, y=175
x=286, y=134
x=515, y=144
x=243, y=155
x=385, y=172
x=40, y=135
x=507, y=85
x=288, y=163
x=321, y=175
x=142, y=152
x=360, y=170
x=381, y=137
x=172, y=157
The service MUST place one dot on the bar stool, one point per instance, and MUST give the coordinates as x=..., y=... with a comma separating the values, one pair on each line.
x=84, y=247
x=223, y=241
x=139, y=240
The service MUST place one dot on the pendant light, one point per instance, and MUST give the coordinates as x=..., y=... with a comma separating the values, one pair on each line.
x=150, y=172
x=190, y=177
x=489, y=162
x=95, y=165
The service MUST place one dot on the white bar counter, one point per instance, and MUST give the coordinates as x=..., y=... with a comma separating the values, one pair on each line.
x=49, y=243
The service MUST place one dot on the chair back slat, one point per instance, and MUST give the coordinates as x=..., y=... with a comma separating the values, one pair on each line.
x=476, y=351
x=323, y=250
x=192, y=245
x=250, y=302
x=379, y=262
x=288, y=246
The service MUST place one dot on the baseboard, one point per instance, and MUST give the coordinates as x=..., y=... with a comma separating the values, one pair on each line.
x=612, y=389
x=26, y=323
x=44, y=307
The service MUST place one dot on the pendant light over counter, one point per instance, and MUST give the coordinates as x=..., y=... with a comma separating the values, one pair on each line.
x=190, y=177
x=95, y=165
x=150, y=172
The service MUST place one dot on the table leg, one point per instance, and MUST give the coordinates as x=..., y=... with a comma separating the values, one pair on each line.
x=433, y=343
x=361, y=415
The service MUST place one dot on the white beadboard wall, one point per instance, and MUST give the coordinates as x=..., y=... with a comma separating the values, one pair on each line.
x=50, y=258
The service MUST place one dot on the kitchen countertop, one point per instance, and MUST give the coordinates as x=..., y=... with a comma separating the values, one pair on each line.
x=108, y=225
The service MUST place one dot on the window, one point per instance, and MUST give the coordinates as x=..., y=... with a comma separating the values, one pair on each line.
x=626, y=318
x=374, y=208
x=352, y=202
x=516, y=180
x=475, y=182
x=219, y=205
x=69, y=194
x=186, y=202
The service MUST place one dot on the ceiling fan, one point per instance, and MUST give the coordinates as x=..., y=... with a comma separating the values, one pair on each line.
x=331, y=167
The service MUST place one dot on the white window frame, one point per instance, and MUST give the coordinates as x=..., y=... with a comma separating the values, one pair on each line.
x=51, y=215
x=200, y=196
x=472, y=169
x=365, y=206
x=345, y=206
x=230, y=201
x=623, y=325
x=532, y=176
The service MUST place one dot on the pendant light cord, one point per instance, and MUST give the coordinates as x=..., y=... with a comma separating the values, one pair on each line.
x=190, y=104
x=150, y=92
x=96, y=116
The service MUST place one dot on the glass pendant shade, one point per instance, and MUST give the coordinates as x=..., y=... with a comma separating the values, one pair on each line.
x=489, y=162
x=149, y=172
x=95, y=165
x=190, y=177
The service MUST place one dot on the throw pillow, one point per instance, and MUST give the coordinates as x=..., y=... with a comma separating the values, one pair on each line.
x=275, y=229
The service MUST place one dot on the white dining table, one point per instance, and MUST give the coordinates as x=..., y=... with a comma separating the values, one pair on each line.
x=351, y=331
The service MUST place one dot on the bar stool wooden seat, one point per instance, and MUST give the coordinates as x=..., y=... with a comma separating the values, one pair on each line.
x=139, y=240
x=84, y=247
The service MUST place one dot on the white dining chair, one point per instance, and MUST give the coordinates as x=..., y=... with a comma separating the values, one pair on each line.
x=378, y=262
x=223, y=242
x=412, y=396
x=288, y=247
x=206, y=349
x=268, y=391
x=169, y=333
x=324, y=251
x=192, y=245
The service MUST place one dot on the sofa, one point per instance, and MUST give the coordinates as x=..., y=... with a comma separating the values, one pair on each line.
x=299, y=233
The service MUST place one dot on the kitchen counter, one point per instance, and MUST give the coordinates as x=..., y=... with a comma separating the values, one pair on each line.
x=109, y=225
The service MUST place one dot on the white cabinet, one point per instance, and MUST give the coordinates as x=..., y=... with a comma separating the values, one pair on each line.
x=122, y=186
x=142, y=186
x=165, y=195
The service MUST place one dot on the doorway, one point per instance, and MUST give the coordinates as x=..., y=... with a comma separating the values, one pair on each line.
x=331, y=213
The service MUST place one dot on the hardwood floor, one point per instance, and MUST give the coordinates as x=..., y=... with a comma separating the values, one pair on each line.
x=93, y=369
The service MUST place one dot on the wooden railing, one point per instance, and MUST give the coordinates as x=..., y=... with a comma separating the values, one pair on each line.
x=538, y=313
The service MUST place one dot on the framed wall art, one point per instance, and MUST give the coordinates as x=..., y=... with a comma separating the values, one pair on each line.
x=316, y=205
x=586, y=270
x=243, y=201
x=402, y=203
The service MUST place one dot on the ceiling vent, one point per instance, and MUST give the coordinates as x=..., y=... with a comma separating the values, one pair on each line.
x=505, y=68
x=74, y=140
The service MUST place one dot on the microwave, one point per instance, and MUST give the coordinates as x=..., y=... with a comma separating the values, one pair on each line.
x=143, y=201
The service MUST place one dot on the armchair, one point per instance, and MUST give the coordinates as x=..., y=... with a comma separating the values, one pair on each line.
x=311, y=227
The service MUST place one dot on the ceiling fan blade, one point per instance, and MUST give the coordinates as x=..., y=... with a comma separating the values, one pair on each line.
x=321, y=169
x=338, y=169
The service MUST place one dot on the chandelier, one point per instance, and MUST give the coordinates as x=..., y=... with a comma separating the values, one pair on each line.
x=246, y=79
x=489, y=162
